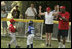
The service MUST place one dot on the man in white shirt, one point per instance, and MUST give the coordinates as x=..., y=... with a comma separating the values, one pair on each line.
x=31, y=12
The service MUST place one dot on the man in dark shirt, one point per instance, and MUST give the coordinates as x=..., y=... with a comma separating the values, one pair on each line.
x=63, y=26
x=16, y=13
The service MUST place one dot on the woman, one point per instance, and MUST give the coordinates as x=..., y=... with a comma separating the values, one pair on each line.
x=48, y=23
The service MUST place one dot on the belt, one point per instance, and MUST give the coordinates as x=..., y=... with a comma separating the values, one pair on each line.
x=30, y=16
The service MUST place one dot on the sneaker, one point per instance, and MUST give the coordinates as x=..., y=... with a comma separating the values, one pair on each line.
x=59, y=46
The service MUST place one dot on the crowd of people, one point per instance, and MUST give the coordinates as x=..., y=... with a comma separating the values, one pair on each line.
x=59, y=13
x=63, y=27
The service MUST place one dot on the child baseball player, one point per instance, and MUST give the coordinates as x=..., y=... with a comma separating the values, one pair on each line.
x=12, y=33
x=30, y=37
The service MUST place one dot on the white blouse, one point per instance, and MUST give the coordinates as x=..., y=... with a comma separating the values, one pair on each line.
x=49, y=18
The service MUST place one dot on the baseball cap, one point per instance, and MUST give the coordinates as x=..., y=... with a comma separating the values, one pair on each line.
x=12, y=20
x=62, y=7
x=48, y=8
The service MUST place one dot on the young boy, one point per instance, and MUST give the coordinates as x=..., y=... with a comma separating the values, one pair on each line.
x=30, y=37
x=12, y=30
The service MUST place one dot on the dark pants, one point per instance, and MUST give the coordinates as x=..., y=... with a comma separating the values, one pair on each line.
x=63, y=33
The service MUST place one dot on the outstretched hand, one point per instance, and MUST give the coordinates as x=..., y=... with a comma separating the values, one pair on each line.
x=40, y=7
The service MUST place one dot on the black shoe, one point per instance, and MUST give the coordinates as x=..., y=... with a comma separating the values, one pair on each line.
x=31, y=45
x=50, y=45
x=9, y=46
x=17, y=46
x=47, y=45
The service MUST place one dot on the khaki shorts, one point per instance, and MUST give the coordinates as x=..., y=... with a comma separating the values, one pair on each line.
x=30, y=17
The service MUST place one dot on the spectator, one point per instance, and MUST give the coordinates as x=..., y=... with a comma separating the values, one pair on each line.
x=16, y=13
x=56, y=9
x=31, y=12
x=4, y=23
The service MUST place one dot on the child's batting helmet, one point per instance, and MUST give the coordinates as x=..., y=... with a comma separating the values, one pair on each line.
x=30, y=23
x=12, y=20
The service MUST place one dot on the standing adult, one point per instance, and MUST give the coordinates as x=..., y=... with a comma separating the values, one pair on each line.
x=48, y=23
x=16, y=13
x=63, y=27
x=31, y=12
x=4, y=23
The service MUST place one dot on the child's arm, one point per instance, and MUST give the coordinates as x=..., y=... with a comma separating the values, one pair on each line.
x=15, y=29
x=28, y=31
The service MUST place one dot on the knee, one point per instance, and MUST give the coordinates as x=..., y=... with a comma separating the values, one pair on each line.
x=50, y=35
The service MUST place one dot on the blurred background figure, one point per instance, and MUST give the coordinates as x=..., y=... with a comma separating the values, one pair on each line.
x=4, y=23
x=56, y=9
x=16, y=13
x=31, y=12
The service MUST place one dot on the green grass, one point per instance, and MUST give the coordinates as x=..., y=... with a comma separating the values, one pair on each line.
x=37, y=43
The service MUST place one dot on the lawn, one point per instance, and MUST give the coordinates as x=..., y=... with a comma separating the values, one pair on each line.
x=37, y=43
